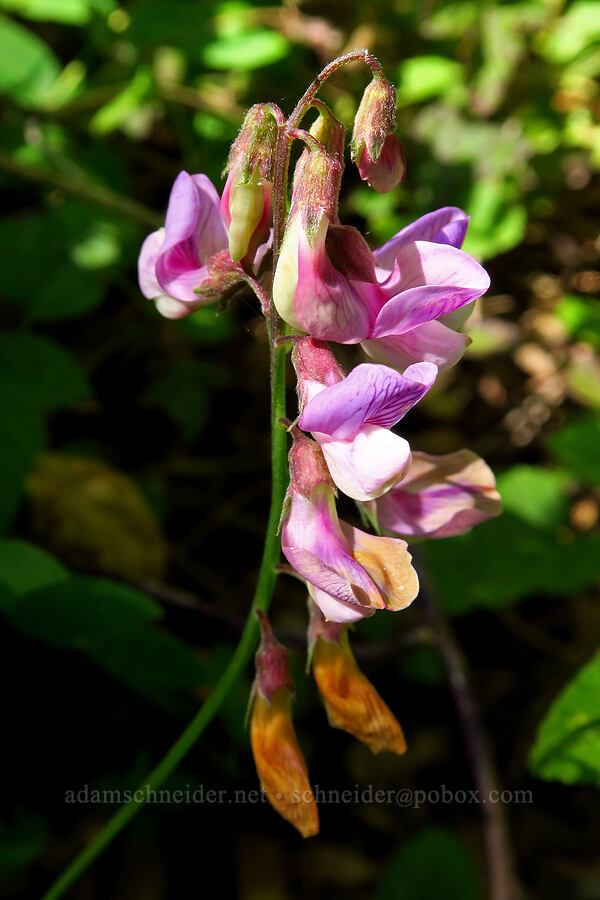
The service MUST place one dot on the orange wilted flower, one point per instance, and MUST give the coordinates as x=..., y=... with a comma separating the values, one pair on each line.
x=351, y=701
x=278, y=758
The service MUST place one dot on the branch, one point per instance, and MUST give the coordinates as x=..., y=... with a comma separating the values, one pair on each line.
x=503, y=884
x=86, y=190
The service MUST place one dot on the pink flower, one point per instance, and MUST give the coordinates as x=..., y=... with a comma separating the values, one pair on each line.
x=349, y=573
x=440, y=496
x=328, y=284
x=351, y=417
x=428, y=284
x=325, y=282
x=172, y=262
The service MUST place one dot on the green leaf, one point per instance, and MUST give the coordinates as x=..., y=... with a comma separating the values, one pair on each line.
x=424, y=77
x=21, y=841
x=577, y=445
x=28, y=68
x=432, y=866
x=497, y=222
x=152, y=662
x=68, y=291
x=208, y=325
x=247, y=50
x=573, y=32
x=183, y=393
x=581, y=317
x=49, y=237
x=567, y=746
x=534, y=494
x=79, y=612
x=40, y=372
x=67, y=12
x=24, y=567
x=506, y=559
x=120, y=108
x=22, y=437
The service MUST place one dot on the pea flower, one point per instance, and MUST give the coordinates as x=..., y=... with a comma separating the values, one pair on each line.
x=389, y=301
x=350, y=573
x=430, y=285
x=351, y=417
x=279, y=761
x=351, y=701
x=440, y=496
x=186, y=264
x=324, y=280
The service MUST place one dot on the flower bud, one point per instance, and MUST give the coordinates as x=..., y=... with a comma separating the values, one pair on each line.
x=246, y=200
x=351, y=702
x=375, y=148
x=329, y=131
x=279, y=761
x=315, y=366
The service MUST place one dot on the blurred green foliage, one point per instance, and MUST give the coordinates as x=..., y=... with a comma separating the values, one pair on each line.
x=133, y=449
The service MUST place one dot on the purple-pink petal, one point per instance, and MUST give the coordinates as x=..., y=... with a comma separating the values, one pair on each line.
x=367, y=466
x=149, y=286
x=313, y=543
x=447, y=225
x=370, y=395
x=328, y=305
x=435, y=280
x=194, y=230
x=431, y=342
x=440, y=496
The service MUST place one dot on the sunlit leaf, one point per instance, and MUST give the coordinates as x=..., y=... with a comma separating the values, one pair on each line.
x=120, y=108
x=581, y=316
x=535, y=495
x=251, y=49
x=577, y=29
x=67, y=12
x=567, y=746
x=424, y=77
x=27, y=65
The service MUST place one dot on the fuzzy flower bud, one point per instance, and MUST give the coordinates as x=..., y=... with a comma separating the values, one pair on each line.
x=246, y=200
x=351, y=701
x=279, y=761
x=325, y=282
x=375, y=148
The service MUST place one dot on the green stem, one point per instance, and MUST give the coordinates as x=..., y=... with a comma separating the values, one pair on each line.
x=262, y=597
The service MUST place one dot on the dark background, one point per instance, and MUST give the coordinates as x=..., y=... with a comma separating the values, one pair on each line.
x=135, y=449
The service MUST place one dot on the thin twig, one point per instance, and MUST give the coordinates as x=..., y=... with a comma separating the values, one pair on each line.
x=172, y=596
x=86, y=190
x=503, y=884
